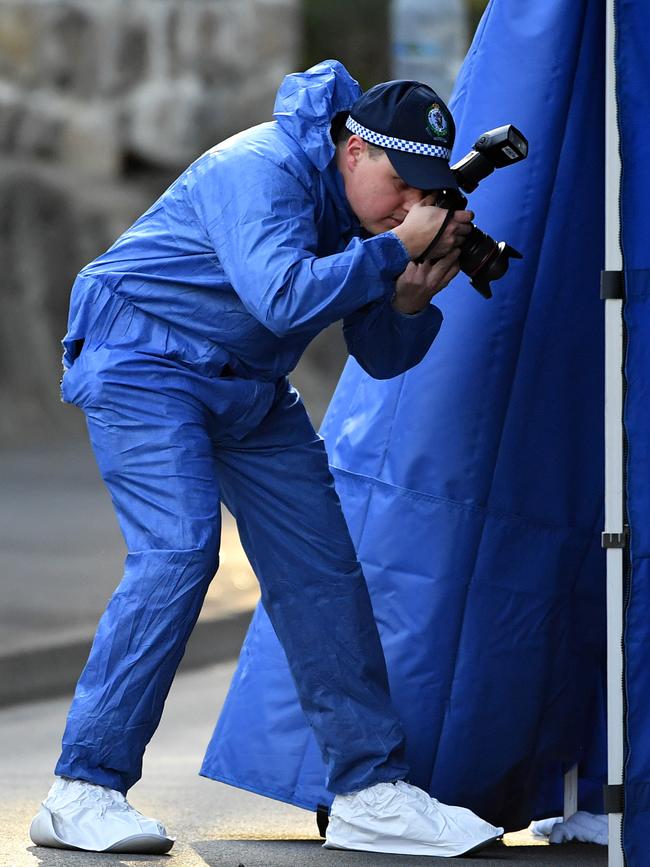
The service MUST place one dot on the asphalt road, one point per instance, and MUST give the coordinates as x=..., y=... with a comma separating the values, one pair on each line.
x=215, y=825
x=61, y=551
x=61, y=556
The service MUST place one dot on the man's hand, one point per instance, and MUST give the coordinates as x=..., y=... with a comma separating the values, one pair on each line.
x=423, y=222
x=417, y=285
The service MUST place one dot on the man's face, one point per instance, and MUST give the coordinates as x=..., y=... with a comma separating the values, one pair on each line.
x=379, y=198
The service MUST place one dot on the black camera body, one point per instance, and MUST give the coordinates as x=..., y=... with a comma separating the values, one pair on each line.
x=481, y=257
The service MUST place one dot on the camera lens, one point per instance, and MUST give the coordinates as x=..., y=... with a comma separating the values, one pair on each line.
x=476, y=251
x=483, y=259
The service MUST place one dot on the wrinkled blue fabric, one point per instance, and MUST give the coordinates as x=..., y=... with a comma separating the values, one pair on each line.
x=254, y=250
x=179, y=341
x=633, y=81
x=164, y=442
x=473, y=484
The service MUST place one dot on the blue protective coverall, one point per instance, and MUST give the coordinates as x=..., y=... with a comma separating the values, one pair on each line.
x=179, y=343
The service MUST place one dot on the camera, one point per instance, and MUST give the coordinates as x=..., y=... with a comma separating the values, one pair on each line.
x=481, y=257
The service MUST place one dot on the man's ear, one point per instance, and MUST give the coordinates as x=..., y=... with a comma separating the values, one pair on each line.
x=355, y=148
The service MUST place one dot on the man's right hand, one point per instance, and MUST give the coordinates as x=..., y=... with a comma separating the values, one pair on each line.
x=417, y=285
x=423, y=222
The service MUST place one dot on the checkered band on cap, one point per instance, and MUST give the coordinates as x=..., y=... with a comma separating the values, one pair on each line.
x=398, y=144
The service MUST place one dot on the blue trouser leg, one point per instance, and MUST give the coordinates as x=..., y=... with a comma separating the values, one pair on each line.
x=277, y=483
x=164, y=457
x=157, y=461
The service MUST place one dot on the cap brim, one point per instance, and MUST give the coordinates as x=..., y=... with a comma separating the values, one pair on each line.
x=422, y=172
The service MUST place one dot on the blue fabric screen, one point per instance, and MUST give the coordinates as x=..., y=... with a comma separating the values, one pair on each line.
x=473, y=484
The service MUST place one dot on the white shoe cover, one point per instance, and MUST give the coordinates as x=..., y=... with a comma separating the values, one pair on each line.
x=543, y=827
x=80, y=815
x=401, y=819
x=582, y=826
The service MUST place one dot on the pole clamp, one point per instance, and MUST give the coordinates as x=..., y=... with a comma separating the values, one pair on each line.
x=615, y=540
x=613, y=798
x=612, y=285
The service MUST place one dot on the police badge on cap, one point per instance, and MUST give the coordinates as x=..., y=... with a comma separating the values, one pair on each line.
x=436, y=122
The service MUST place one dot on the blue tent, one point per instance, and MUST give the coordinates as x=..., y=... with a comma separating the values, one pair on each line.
x=473, y=484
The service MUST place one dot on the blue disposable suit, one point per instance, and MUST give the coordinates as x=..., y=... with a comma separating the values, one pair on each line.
x=179, y=343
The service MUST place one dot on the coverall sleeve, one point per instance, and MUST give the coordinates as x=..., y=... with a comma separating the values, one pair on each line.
x=261, y=221
x=386, y=342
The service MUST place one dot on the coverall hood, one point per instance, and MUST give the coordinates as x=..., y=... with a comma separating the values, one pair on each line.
x=307, y=102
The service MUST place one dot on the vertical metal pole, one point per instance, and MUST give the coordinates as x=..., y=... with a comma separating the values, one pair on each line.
x=570, y=792
x=613, y=446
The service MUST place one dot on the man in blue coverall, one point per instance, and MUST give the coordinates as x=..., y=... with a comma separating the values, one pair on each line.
x=179, y=342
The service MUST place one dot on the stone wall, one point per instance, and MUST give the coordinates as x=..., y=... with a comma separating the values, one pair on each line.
x=92, y=83
x=102, y=102
x=50, y=225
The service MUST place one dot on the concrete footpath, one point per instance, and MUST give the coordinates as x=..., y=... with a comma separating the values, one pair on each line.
x=61, y=556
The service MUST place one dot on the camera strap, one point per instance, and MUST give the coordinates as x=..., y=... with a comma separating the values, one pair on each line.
x=424, y=256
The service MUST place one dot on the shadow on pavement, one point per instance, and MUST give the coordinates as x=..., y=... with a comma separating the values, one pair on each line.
x=70, y=858
x=302, y=853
